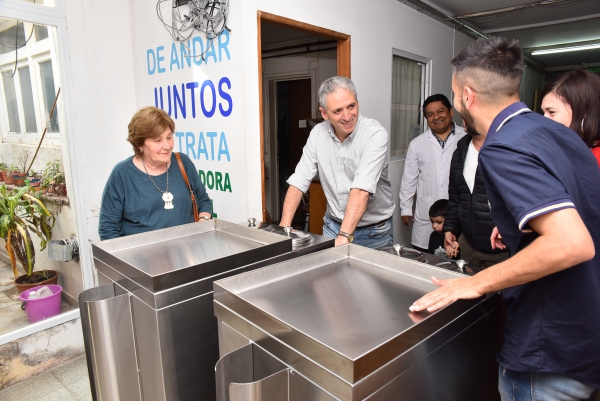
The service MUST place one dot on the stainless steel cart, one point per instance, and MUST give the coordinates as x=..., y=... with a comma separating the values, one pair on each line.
x=150, y=331
x=335, y=325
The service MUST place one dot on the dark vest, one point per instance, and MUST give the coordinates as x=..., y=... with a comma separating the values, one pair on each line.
x=468, y=214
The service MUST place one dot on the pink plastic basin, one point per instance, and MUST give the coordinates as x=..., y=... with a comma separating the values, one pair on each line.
x=41, y=308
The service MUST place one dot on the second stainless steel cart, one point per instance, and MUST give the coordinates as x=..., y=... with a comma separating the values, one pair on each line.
x=335, y=325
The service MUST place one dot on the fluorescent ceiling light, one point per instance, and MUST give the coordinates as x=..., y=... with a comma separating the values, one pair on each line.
x=566, y=49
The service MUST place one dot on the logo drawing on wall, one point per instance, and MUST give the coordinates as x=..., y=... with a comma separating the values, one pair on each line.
x=207, y=16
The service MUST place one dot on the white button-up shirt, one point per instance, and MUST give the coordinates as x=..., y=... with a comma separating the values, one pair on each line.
x=426, y=175
x=361, y=161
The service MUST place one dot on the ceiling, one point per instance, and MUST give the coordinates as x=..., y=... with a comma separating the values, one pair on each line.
x=281, y=41
x=536, y=24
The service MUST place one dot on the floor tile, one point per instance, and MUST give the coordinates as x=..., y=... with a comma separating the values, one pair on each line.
x=80, y=390
x=32, y=389
x=11, y=315
x=71, y=372
x=61, y=394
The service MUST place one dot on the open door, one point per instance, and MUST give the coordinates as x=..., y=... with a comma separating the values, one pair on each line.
x=290, y=121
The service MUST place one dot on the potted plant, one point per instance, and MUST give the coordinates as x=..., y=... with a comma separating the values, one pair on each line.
x=20, y=215
x=53, y=180
x=3, y=170
x=35, y=180
x=18, y=178
x=8, y=178
x=19, y=174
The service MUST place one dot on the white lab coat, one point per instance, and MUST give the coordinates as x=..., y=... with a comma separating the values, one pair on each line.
x=426, y=173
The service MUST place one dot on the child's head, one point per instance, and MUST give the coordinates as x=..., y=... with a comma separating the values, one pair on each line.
x=437, y=214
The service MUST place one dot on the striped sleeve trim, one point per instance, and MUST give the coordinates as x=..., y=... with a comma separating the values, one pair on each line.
x=544, y=210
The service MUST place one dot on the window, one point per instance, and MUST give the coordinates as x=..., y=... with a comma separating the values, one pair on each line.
x=9, y=33
x=41, y=32
x=12, y=110
x=28, y=83
x=48, y=94
x=27, y=96
x=47, y=3
x=409, y=90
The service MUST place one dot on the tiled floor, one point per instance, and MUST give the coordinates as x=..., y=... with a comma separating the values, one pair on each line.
x=11, y=315
x=68, y=382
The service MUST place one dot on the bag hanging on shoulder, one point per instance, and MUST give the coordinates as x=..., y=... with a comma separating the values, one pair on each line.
x=185, y=178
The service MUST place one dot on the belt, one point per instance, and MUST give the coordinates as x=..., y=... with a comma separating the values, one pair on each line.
x=380, y=223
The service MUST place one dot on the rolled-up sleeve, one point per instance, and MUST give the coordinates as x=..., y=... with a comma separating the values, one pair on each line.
x=307, y=166
x=372, y=162
x=527, y=188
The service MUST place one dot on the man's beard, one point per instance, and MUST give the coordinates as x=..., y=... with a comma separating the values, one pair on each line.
x=468, y=121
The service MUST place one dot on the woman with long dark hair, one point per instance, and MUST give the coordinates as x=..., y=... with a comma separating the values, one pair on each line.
x=573, y=99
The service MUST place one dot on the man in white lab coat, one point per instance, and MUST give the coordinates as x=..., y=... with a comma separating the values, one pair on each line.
x=427, y=168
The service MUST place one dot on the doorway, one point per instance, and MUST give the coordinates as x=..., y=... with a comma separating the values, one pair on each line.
x=295, y=59
x=290, y=118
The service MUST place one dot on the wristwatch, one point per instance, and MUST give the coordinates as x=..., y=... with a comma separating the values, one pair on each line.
x=349, y=236
x=205, y=217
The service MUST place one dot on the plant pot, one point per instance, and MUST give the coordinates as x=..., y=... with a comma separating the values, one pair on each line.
x=41, y=308
x=19, y=179
x=35, y=182
x=59, y=190
x=3, y=174
x=8, y=180
x=22, y=284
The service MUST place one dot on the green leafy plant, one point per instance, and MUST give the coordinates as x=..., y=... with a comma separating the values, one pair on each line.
x=51, y=173
x=12, y=168
x=52, y=178
x=20, y=214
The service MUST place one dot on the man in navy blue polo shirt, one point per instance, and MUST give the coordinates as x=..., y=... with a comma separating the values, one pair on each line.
x=544, y=191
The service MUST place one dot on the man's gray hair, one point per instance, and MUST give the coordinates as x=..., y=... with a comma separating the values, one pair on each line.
x=333, y=84
x=491, y=66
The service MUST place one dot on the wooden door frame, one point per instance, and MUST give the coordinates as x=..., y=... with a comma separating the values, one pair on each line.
x=343, y=68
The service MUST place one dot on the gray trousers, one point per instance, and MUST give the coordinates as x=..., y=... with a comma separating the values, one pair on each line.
x=484, y=260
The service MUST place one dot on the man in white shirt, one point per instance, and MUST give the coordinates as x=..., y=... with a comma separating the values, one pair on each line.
x=427, y=168
x=350, y=154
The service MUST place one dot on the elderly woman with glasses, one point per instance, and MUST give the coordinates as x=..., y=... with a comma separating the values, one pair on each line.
x=147, y=191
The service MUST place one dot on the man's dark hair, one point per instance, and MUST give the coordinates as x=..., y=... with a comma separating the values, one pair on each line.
x=438, y=208
x=437, y=98
x=492, y=67
x=580, y=89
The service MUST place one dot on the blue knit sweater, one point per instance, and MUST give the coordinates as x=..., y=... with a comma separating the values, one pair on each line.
x=131, y=204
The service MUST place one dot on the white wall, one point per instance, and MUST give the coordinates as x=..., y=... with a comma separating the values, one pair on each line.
x=101, y=100
x=107, y=44
x=324, y=63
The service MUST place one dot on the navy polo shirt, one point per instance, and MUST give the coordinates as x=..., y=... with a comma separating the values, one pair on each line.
x=532, y=165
